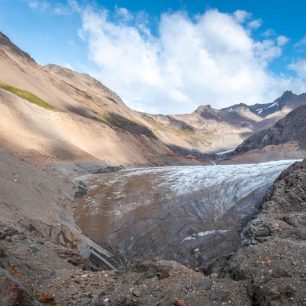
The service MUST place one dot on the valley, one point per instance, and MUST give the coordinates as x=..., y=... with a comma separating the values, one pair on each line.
x=104, y=205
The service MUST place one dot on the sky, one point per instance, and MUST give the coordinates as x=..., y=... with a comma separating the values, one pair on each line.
x=169, y=56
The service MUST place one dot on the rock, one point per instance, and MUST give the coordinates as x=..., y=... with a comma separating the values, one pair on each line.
x=108, y=169
x=46, y=298
x=7, y=233
x=13, y=292
x=3, y=253
x=82, y=190
x=136, y=293
x=34, y=248
x=214, y=276
x=98, y=301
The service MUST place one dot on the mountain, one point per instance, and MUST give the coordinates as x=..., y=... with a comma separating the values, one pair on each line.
x=287, y=138
x=212, y=130
x=54, y=114
x=288, y=100
x=51, y=113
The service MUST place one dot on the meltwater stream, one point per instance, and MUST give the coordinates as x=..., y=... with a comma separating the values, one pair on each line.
x=189, y=214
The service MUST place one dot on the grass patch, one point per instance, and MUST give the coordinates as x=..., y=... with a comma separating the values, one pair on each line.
x=26, y=95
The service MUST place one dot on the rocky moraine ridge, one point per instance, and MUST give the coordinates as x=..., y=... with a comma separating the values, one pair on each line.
x=270, y=268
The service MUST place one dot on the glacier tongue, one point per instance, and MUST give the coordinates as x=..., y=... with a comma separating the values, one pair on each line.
x=191, y=214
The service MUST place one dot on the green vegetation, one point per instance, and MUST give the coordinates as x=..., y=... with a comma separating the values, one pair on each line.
x=27, y=96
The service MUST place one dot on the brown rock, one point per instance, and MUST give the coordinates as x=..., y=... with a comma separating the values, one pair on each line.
x=179, y=303
x=45, y=298
x=12, y=292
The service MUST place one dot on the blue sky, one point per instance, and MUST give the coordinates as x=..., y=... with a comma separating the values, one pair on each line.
x=169, y=56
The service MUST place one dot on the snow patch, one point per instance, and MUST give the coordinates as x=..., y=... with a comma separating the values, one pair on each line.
x=272, y=105
x=225, y=152
x=203, y=234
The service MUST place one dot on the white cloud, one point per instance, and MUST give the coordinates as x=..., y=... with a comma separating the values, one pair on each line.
x=301, y=43
x=69, y=8
x=241, y=16
x=124, y=14
x=62, y=10
x=208, y=59
x=299, y=67
x=40, y=5
x=254, y=24
x=282, y=40
x=269, y=33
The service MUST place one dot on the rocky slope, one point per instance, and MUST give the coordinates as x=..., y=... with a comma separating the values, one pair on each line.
x=285, y=139
x=54, y=114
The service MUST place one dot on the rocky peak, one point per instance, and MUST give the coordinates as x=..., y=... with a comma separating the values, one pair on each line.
x=286, y=97
x=287, y=94
x=204, y=108
x=235, y=107
x=207, y=112
x=4, y=40
x=9, y=47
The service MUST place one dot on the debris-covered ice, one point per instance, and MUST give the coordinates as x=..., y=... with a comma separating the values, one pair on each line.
x=170, y=212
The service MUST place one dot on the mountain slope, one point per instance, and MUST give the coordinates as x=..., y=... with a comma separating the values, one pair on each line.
x=284, y=140
x=54, y=113
x=292, y=128
x=86, y=120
